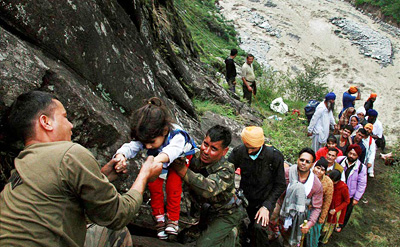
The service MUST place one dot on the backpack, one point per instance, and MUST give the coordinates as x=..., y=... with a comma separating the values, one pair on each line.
x=309, y=110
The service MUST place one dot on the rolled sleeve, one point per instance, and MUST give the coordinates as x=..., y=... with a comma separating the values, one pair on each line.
x=101, y=201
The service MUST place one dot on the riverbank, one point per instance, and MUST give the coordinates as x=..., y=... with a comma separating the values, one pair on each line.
x=287, y=34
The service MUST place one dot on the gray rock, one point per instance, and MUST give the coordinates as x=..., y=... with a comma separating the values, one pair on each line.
x=371, y=43
x=102, y=59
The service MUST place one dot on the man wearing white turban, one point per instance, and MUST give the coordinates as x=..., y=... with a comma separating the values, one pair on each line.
x=361, y=115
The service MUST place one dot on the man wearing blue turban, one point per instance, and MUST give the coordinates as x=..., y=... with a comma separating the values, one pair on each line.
x=377, y=131
x=322, y=119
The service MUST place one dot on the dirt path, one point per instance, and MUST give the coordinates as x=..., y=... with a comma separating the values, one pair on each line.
x=290, y=33
x=376, y=220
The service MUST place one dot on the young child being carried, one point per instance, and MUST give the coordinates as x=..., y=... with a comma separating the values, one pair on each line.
x=153, y=129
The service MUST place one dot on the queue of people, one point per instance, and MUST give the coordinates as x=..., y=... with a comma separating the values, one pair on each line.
x=57, y=183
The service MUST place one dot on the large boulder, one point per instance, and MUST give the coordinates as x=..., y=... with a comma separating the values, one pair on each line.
x=102, y=59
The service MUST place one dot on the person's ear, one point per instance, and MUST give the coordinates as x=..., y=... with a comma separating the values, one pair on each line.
x=45, y=122
x=166, y=130
x=225, y=151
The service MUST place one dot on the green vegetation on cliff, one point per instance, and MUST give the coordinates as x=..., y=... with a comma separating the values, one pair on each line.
x=214, y=37
x=375, y=220
x=388, y=7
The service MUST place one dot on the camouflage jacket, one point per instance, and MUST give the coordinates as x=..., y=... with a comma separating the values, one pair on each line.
x=212, y=183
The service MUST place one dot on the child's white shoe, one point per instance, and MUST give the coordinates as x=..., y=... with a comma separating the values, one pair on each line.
x=172, y=227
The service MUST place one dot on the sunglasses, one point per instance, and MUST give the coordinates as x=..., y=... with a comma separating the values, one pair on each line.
x=304, y=160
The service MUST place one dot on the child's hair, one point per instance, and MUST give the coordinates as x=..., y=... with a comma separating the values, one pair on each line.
x=332, y=138
x=150, y=120
x=335, y=175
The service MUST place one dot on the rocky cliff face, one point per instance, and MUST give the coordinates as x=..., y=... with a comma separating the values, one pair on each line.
x=101, y=58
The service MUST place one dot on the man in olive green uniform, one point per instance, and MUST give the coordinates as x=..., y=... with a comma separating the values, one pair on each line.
x=210, y=178
x=57, y=182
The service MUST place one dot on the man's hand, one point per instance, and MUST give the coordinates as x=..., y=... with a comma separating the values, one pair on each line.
x=332, y=211
x=369, y=165
x=109, y=169
x=263, y=216
x=309, y=134
x=151, y=168
x=355, y=202
x=250, y=89
x=121, y=164
x=234, y=82
x=304, y=229
x=149, y=171
x=179, y=165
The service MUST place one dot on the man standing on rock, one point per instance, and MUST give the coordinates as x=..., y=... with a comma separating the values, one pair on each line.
x=262, y=180
x=210, y=178
x=231, y=70
x=56, y=182
x=249, y=79
x=321, y=121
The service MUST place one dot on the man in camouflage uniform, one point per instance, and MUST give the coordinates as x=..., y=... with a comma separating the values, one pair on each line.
x=210, y=178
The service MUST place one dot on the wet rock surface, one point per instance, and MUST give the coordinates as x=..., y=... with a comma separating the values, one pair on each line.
x=102, y=59
x=371, y=43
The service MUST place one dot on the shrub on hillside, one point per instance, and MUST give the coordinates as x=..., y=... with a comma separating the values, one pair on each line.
x=306, y=85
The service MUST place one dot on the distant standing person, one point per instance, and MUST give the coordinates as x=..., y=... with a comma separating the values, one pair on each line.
x=249, y=79
x=377, y=132
x=361, y=112
x=231, y=70
x=320, y=122
x=344, y=139
x=348, y=99
x=369, y=104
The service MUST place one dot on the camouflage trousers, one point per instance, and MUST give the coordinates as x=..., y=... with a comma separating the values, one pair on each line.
x=222, y=230
x=100, y=236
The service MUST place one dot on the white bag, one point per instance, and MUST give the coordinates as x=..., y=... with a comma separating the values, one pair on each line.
x=279, y=106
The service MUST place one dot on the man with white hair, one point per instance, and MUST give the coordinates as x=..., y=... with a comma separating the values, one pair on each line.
x=321, y=121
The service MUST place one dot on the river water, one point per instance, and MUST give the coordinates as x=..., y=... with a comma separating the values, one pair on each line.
x=354, y=48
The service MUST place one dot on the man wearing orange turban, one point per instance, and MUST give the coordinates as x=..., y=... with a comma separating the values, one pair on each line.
x=262, y=180
x=348, y=99
x=369, y=104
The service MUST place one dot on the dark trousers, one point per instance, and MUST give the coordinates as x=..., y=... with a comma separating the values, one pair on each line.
x=248, y=95
x=231, y=84
x=348, y=213
x=257, y=234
